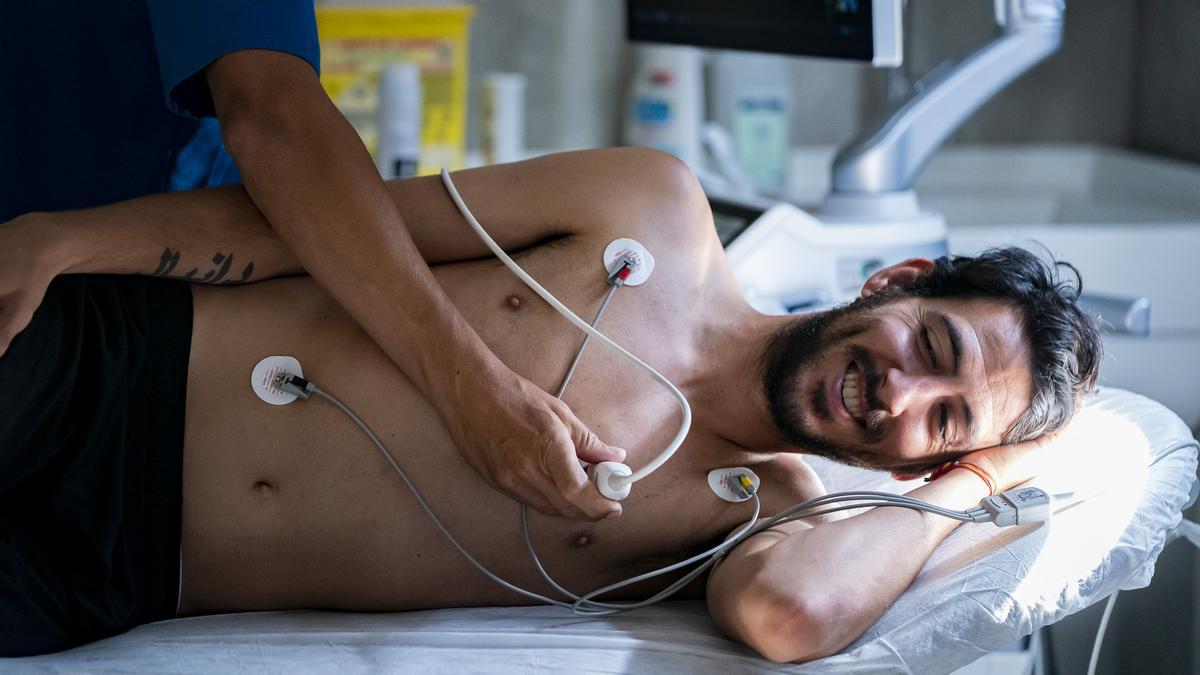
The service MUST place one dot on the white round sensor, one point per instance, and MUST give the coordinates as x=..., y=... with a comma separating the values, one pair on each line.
x=643, y=262
x=727, y=484
x=262, y=379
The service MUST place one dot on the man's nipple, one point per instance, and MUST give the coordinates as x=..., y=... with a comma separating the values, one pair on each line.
x=514, y=303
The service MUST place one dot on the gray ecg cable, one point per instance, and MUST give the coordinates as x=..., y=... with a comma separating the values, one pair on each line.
x=297, y=385
x=584, y=605
x=304, y=389
x=587, y=338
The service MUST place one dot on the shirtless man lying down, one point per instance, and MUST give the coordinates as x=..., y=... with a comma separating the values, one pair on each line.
x=141, y=478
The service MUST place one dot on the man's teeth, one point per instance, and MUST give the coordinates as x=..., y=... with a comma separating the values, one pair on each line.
x=850, y=393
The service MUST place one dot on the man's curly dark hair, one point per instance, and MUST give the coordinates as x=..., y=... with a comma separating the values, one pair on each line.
x=1065, y=344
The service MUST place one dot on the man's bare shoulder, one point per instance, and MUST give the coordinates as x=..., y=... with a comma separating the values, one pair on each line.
x=790, y=475
x=788, y=480
x=785, y=480
x=652, y=197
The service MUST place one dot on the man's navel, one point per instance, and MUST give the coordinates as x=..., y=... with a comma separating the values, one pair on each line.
x=264, y=489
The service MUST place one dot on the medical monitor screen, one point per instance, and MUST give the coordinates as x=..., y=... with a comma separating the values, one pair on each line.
x=839, y=29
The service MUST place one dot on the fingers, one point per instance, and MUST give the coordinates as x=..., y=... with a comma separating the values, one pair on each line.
x=506, y=481
x=542, y=478
x=531, y=453
x=569, y=476
x=557, y=487
x=540, y=491
x=560, y=505
x=573, y=484
x=527, y=486
x=588, y=447
x=538, y=503
x=591, y=450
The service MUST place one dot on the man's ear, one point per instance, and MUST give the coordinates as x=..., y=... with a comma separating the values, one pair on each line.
x=900, y=274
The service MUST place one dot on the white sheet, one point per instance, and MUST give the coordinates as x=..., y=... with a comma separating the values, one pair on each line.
x=983, y=588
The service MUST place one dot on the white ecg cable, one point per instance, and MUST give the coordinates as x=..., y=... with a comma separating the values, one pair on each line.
x=529, y=281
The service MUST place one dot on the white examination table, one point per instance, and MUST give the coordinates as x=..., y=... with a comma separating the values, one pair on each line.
x=983, y=588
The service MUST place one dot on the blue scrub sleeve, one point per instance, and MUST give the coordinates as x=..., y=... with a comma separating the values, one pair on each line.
x=191, y=34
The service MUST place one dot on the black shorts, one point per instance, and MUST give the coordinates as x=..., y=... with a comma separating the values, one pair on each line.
x=92, y=399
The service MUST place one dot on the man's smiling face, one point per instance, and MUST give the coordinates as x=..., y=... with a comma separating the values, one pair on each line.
x=899, y=382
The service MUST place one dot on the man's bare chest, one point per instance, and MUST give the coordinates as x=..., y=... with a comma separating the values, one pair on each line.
x=535, y=341
x=330, y=493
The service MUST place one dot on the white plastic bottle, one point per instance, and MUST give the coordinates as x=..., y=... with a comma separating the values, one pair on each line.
x=398, y=150
x=752, y=97
x=503, y=118
x=665, y=109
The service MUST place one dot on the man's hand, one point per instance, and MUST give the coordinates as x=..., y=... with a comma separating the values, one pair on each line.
x=528, y=444
x=29, y=261
x=1011, y=465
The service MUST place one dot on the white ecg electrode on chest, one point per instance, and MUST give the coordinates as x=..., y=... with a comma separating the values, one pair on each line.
x=262, y=379
x=733, y=484
x=626, y=248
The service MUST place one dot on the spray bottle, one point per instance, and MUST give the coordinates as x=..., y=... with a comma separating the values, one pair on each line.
x=665, y=109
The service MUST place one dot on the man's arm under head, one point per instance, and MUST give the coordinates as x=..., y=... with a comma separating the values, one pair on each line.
x=180, y=234
x=799, y=592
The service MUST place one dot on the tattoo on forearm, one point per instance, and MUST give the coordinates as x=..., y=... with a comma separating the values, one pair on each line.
x=222, y=262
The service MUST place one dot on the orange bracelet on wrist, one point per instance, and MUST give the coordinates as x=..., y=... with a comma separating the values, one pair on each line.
x=955, y=464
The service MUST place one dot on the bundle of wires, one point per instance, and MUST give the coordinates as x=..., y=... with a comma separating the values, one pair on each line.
x=586, y=605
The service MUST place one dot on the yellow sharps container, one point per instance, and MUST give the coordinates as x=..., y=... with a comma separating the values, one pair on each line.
x=357, y=42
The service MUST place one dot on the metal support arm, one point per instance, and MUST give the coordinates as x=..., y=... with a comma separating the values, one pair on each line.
x=889, y=157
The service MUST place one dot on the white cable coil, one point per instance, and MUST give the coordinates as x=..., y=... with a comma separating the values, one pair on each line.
x=618, y=482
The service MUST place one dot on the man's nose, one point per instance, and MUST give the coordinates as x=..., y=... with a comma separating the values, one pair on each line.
x=901, y=391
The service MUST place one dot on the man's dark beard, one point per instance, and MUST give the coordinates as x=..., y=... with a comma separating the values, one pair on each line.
x=797, y=349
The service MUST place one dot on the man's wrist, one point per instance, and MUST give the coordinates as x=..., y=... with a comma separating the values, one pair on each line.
x=955, y=490
x=1008, y=470
x=474, y=367
x=988, y=479
x=473, y=385
x=55, y=250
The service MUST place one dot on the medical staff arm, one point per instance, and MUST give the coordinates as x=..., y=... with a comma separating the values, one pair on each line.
x=218, y=235
x=799, y=592
x=307, y=171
